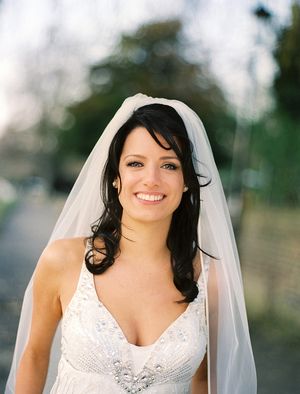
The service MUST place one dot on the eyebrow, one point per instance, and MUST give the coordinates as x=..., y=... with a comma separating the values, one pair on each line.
x=161, y=158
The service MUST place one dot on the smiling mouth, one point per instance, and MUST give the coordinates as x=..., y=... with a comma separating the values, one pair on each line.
x=150, y=197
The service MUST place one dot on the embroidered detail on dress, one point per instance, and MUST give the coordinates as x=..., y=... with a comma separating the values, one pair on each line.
x=93, y=342
x=130, y=382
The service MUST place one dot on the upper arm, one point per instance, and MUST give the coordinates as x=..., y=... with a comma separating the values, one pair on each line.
x=46, y=311
x=199, y=381
x=212, y=289
x=213, y=319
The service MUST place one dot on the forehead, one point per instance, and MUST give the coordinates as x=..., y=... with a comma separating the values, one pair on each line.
x=139, y=140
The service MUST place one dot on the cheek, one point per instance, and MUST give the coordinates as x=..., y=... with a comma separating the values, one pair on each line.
x=178, y=183
x=180, y=186
x=128, y=179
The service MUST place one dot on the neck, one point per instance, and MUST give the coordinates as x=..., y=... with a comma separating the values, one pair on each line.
x=144, y=242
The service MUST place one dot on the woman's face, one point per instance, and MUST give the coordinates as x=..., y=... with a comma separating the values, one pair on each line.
x=152, y=179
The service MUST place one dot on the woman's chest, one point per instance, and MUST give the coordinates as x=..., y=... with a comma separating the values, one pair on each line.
x=142, y=306
x=93, y=342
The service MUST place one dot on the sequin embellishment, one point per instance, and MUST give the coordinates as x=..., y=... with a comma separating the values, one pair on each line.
x=93, y=342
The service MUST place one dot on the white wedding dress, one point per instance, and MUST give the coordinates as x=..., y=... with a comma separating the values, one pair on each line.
x=97, y=358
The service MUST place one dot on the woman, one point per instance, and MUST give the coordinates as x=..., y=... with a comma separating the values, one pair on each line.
x=148, y=310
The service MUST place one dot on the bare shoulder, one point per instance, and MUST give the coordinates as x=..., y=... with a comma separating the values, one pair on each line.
x=60, y=255
x=55, y=271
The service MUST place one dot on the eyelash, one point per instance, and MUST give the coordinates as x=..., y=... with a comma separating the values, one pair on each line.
x=136, y=164
x=171, y=166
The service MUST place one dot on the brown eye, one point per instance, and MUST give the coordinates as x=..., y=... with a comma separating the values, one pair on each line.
x=134, y=164
x=170, y=166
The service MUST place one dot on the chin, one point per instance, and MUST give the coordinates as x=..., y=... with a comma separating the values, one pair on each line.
x=150, y=219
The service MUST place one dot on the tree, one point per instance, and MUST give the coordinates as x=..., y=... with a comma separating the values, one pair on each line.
x=276, y=139
x=151, y=61
x=287, y=55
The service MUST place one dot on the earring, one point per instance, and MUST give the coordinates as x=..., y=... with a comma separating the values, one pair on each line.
x=185, y=189
x=115, y=184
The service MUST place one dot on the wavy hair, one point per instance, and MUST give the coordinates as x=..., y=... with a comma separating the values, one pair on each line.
x=182, y=239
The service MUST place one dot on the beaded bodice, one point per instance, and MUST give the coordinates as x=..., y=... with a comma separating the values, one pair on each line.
x=96, y=356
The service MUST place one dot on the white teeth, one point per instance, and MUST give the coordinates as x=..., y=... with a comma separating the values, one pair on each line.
x=150, y=197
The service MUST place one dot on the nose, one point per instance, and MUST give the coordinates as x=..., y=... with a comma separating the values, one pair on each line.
x=151, y=176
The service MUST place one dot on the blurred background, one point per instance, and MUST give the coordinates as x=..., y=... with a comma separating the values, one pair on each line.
x=66, y=67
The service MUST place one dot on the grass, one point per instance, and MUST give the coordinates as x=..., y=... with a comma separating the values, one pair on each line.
x=276, y=344
x=270, y=250
x=276, y=328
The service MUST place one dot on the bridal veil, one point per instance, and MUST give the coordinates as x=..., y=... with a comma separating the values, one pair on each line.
x=231, y=368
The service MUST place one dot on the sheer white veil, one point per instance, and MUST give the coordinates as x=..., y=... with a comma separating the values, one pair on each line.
x=231, y=368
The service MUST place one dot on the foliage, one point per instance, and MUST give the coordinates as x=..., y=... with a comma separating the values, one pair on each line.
x=276, y=137
x=276, y=143
x=151, y=61
x=274, y=327
x=287, y=55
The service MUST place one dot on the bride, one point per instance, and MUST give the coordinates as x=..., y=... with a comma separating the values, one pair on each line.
x=142, y=273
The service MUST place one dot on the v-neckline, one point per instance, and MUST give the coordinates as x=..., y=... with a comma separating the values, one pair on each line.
x=121, y=332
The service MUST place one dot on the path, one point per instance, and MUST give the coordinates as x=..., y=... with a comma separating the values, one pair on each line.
x=23, y=236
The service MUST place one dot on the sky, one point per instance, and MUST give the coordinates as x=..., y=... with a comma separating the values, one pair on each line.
x=222, y=32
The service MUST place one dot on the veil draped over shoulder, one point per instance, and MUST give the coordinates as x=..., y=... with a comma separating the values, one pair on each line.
x=231, y=368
